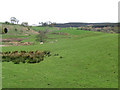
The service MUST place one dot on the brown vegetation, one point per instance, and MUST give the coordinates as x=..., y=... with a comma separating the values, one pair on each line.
x=24, y=56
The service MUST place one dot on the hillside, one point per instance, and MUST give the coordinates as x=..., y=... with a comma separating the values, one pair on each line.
x=89, y=60
x=16, y=30
x=78, y=24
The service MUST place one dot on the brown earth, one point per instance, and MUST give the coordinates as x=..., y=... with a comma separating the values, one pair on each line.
x=13, y=39
x=17, y=43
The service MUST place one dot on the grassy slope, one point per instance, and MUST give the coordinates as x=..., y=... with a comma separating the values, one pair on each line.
x=17, y=31
x=43, y=28
x=89, y=60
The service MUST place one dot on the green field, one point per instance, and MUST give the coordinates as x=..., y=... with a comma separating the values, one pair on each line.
x=90, y=60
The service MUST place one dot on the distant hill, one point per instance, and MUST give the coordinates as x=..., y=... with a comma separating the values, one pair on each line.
x=75, y=24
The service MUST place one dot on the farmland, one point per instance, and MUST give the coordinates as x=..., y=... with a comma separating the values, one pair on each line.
x=85, y=59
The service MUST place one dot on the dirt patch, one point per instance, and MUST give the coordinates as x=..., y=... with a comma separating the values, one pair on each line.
x=34, y=32
x=58, y=37
x=4, y=45
x=17, y=43
x=13, y=39
x=60, y=33
x=14, y=42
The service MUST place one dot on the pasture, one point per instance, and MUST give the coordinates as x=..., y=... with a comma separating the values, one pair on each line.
x=85, y=59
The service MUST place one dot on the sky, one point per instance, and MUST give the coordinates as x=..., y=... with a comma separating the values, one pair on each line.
x=59, y=11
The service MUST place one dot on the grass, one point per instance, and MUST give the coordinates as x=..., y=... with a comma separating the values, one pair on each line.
x=13, y=36
x=89, y=61
x=17, y=31
x=43, y=28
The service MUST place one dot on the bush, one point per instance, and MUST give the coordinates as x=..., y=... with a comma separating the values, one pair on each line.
x=24, y=57
x=15, y=29
x=23, y=61
x=56, y=54
x=6, y=22
x=16, y=61
x=61, y=57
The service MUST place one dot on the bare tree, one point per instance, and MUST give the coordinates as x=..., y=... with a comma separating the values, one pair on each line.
x=41, y=36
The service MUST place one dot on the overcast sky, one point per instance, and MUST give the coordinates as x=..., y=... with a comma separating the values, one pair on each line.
x=60, y=11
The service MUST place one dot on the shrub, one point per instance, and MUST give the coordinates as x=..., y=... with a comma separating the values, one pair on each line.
x=15, y=29
x=56, y=54
x=16, y=61
x=31, y=61
x=24, y=57
x=61, y=57
x=3, y=57
x=23, y=61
